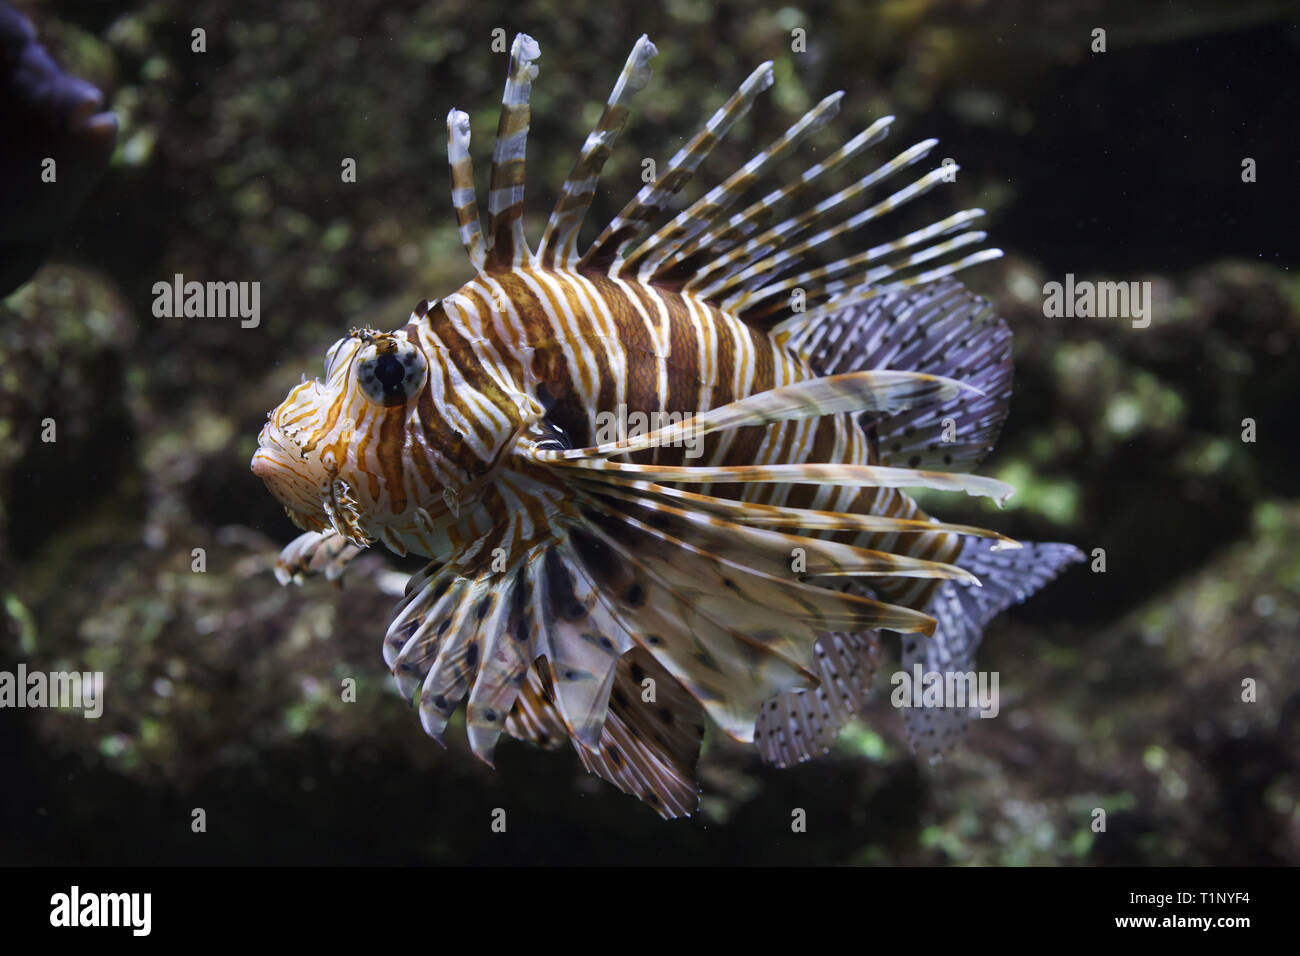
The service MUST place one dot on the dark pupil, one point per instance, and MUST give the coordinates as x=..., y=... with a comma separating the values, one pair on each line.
x=390, y=372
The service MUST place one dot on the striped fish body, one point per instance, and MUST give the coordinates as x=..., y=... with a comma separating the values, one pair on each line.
x=664, y=482
x=593, y=345
x=598, y=353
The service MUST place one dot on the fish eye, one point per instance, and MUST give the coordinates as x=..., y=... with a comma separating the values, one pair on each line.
x=390, y=371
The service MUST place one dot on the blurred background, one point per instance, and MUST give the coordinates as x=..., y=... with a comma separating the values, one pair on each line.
x=1120, y=690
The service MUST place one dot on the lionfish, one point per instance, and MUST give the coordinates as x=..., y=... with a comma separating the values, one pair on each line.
x=745, y=553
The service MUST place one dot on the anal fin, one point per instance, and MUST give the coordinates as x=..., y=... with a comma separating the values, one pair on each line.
x=797, y=725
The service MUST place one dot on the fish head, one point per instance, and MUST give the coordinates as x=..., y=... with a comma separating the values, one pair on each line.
x=364, y=451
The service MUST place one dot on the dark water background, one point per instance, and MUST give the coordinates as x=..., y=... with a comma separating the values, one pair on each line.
x=1120, y=691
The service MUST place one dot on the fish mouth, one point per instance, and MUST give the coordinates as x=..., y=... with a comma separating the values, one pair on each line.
x=277, y=477
x=290, y=487
x=265, y=466
x=310, y=506
x=89, y=119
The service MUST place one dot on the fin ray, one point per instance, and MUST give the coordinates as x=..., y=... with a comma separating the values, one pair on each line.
x=561, y=235
x=634, y=218
x=507, y=246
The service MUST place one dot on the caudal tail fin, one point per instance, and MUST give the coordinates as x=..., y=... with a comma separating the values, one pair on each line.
x=962, y=612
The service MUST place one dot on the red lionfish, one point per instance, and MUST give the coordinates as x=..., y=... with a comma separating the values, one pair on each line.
x=751, y=581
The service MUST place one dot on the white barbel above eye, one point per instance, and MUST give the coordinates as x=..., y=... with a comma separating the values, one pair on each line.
x=335, y=351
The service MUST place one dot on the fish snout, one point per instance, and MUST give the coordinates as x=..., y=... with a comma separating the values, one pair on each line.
x=87, y=118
